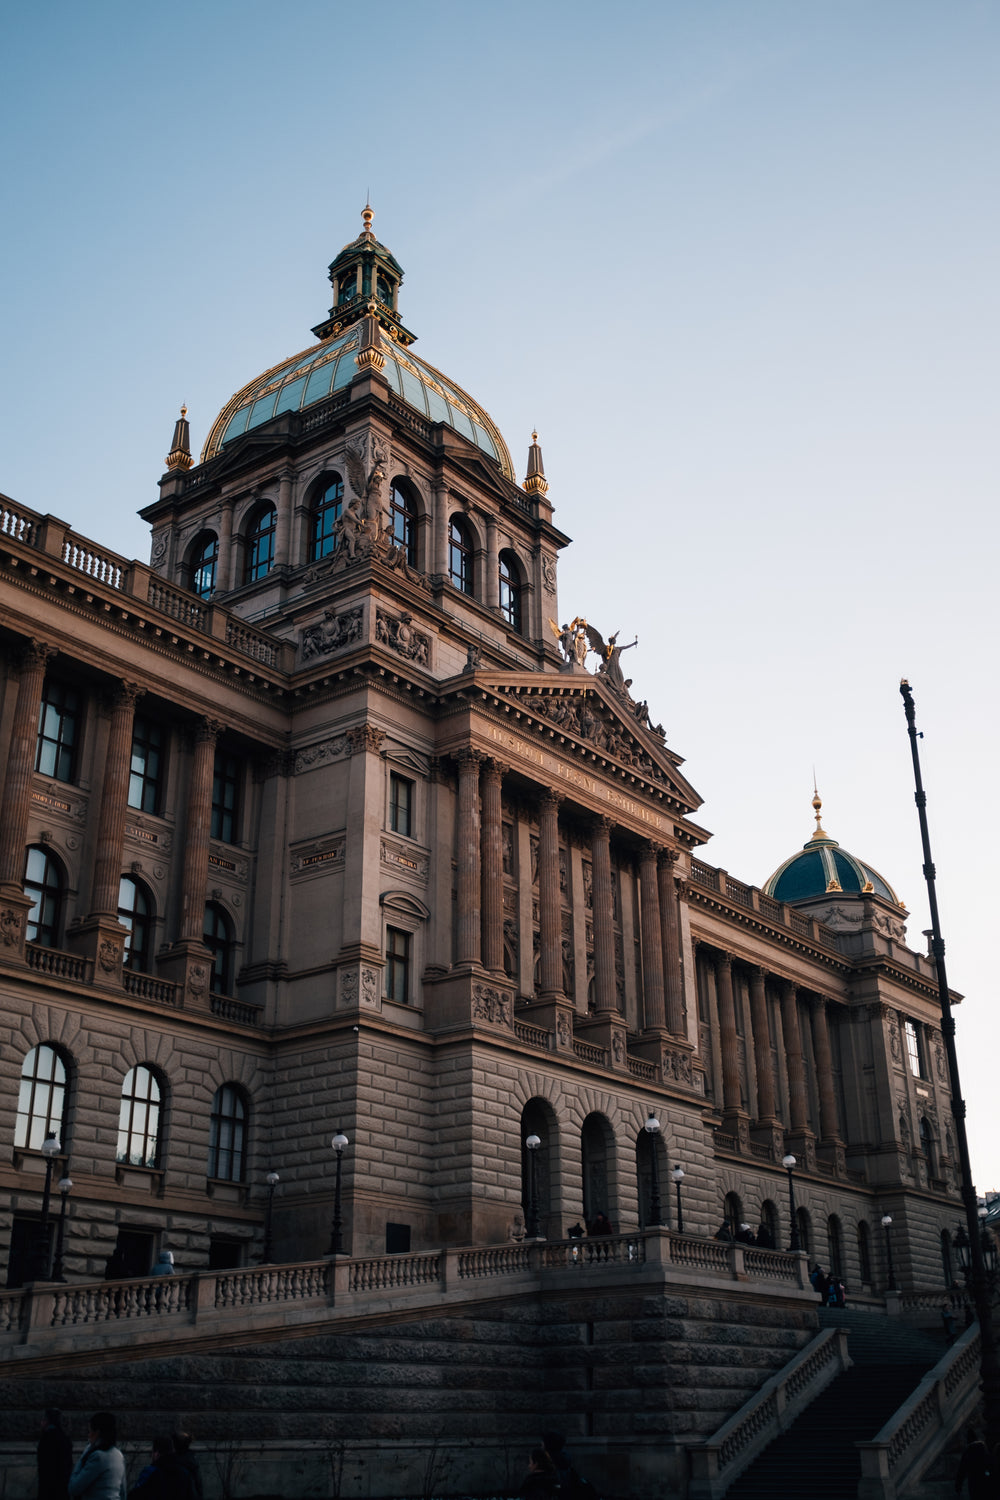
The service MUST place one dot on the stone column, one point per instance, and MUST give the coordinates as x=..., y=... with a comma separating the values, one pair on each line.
x=491, y=594
x=761, y=1047
x=731, y=1096
x=492, y=857
x=283, y=529
x=654, y=1008
x=439, y=564
x=114, y=801
x=673, y=976
x=605, y=994
x=197, y=828
x=224, y=580
x=828, y=1123
x=467, y=847
x=797, y=1108
x=549, y=896
x=21, y=764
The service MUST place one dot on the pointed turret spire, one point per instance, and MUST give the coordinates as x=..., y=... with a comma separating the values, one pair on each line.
x=179, y=456
x=535, y=482
x=817, y=803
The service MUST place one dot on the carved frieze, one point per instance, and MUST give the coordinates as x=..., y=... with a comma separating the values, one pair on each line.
x=400, y=636
x=676, y=1066
x=332, y=633
x=321, y=754
x=490, y=1004
x=588, y=718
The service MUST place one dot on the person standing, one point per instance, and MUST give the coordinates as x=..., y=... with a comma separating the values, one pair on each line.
x=55, y=1457
x=100, y=1469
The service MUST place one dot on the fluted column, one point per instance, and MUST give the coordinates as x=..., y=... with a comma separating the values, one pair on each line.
x=731, y=1096
x=114, y=801
x=198, y=825
x=797, y=1108
x=828, y=1123
x=761, y=1046
x=549, y=895
x=654, y=1008
x=491, y=595
x=467, y=848
x=492, y=846
x=224, y=580
x=673, y=977
x=440, y=531
x=21, y=763
x=283, y=525
x=605, y=996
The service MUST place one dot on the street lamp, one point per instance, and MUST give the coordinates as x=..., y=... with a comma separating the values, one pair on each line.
x=338, y=1143
x=652, y=1129
x=531, y=1208
x=272, y=1179
x=887, y=1225
x=678, y=1175
x=788, y=1162
x=65, y=1183
x=50, y=1150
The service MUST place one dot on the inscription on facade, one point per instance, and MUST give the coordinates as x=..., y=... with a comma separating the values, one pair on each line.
x=627, y=806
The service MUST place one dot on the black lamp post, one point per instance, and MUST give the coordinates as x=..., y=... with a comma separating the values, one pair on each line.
x=652, y=1129
x=339, y=1143
x=887, y=1225
x=678, y=1175
x=50, y=1150
x=65, y=1184
x=272, y=1181
x=788, y=1162
x=531, y=1208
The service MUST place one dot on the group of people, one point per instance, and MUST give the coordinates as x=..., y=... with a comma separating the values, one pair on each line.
x=830, y=1290
x=99, y=1473
x=744, y=1235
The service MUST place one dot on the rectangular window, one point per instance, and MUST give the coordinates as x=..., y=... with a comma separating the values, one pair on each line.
x=146, y=766
x=397, y=966
x=913, y=1048
x=58, y=732
x=226, y=797
x=401, y=805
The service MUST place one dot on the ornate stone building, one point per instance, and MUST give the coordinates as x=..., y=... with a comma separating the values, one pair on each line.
x=318, y=822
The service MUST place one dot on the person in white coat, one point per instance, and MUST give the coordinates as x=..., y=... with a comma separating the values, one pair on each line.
x=100, y=1470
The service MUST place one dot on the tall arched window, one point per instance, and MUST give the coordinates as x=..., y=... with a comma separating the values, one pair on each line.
x=42, y=1099
x=218, y=938
x=804, y=1222
x=139, y=1119
x=403, y=522
x=597, y=1160
x=260, y=544
x=44, y=883
x=538, y=1167
x=325, y=515
x=204, y=565
x=461, y=554
x=510, y=590
x=865, y=1252
x=769, y=1221
x=836, y=1245
x=733, y=1210
x=135, y=911
x=927, y=1144
x=227, y=1141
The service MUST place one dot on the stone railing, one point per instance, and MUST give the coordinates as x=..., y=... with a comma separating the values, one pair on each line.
x=588, y=1052
x=716, y=1463
x=532, y=1036
x=917, y=1433
x=58, y=964
x=16, y=524
x=145, y=987
x=228, y=1009
x=752, y=899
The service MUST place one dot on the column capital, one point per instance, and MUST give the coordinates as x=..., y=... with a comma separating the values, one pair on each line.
x=35, y=653
x=126, y=694
x=602, y=825
x=549, y=798
x=207, y=730
x=758, y=973
x=365, y=737
x=494, y=770
x=649, y=849
x=722, y=959
x=465, y=759
x=666, y=857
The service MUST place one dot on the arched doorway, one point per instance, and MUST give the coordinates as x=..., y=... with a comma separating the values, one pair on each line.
x=538, y=1169
x=597, y=1144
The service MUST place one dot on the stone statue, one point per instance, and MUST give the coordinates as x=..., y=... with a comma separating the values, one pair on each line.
x=573, y=640
x=610, y=654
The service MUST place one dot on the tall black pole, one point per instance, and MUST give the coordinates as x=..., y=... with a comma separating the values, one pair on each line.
x=57, y=1268
x=43, y=1250
x=793, y=1239
x=272, y=1181
x=678, y=1176
x=335, y=1245
x=989, y=1367
x=531, y=1145
x=890, y=1285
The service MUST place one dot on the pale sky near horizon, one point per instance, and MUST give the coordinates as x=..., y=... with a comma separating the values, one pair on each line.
x=736, y=261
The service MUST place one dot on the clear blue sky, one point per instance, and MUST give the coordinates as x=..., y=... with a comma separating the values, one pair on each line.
x=737, y=261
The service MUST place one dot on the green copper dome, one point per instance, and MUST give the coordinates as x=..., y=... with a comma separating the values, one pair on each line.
x=823, y=868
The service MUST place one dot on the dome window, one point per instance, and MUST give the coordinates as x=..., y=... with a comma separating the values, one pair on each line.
x=326, y=513
x=204, y=564
x=348, y=287
x=460, y=556
x=260, y=544
x=383, y=289
x=510, y=591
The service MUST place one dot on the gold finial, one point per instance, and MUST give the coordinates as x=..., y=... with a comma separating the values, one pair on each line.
x=535, y=482
x=367, y=214
x=179, y=456
x=184, y=410
x=817, y=803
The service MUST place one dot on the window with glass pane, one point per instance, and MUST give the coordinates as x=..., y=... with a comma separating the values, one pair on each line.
x=460, y=556
x=139, y=1120
x=218, y=938
x=260, y=544
x=43, y=882
x=58, y=732
x=401, y=805
x=913, y=1049
x=348, y=287
x=146, y=767
x=226, y=780
x=204, y=564
x=41, y=1101
x=227, y=1141
x=397, y=965
x=326, y=514
x=135, y=911
x=403, y=523
x=510, y=591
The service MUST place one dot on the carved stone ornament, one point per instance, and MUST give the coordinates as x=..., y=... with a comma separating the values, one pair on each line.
x=564, y=1030
x=404, y=857
x=197, y=980
x=894, y=1042
x=940, y=1063
x=11, y=926
x=676, y=1066
x=321, y=754
x=618, y=1046
x=369, y=986
x=365, y=737
x=319, y=854
x=333, y=632
x=548, y=573
x=400, y=636
x=588, y=718
x=109, y=954
x=349, y=987
x=489, y=1004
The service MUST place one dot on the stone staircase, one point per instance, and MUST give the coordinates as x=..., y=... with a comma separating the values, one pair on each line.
x=816, y=1456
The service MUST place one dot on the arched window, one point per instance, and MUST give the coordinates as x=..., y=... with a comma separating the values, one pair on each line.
x=733, y=1210
x=538, y=1168
x=228, y=1138
x=461, y=553
x=835, y=1243
x=865, y=1252
x=927, y=1144
x=260, y=544
x=325, y=515
x=135, y=911
x=403, y=522
x=204, y=565
x=139, y=1120
x=804, y=1222
x=42, y=1100
x=43, y=882
x=510, y=590
x=218, y=937
x=597, y=1158
x=768, y=1222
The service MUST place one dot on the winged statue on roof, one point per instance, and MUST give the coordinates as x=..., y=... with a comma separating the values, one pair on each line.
x=610, y=653
x=573, y=640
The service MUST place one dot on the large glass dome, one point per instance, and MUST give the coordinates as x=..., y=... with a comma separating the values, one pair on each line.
x=822, y=867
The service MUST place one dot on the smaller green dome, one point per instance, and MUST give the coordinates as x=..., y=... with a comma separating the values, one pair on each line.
x=823, y=868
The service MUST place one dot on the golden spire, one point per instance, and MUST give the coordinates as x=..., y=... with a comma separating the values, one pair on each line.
x=179, y=456
x=817, y=802
x=535, y=482
x=367, y=214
